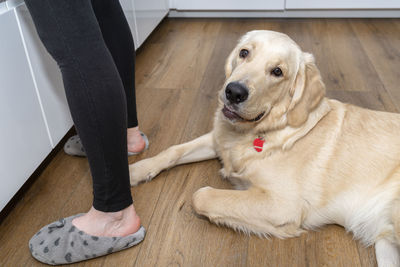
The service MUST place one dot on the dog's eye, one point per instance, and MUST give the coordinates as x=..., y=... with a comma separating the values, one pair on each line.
x=243, y=53
x=277, y=72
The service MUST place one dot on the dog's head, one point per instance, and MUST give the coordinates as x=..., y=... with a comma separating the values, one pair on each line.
x=269, y=79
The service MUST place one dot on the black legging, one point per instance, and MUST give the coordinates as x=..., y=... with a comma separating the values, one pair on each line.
x=93, y=46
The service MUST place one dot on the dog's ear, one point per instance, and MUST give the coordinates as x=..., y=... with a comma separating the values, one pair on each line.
x=230, y=63
x=307, y=92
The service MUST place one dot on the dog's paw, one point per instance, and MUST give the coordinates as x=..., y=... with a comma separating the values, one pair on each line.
x=199, y=200
x=223, y=173
x=143, y=171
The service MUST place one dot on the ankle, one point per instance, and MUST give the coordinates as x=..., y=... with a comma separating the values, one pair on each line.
x=122, y=215
x=99, y=223
x=135, y=140
x=133, y=132
x=101, y=215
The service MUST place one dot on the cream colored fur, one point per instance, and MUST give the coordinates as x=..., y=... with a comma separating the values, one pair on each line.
x=323, y=161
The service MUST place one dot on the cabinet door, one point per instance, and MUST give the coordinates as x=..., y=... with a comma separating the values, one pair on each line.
x=148, y=14
x=48, y=79
x=129, y=11
x=24, y=140
x=229, y=5
x=342, y=4
x=3, y=7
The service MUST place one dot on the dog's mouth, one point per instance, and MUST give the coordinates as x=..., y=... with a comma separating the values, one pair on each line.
x=232, y=116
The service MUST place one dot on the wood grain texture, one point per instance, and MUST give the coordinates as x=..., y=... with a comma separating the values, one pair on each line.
x=179, y=71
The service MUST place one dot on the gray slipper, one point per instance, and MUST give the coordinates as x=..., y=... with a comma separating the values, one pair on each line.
x=74, y=146
x=62, y=243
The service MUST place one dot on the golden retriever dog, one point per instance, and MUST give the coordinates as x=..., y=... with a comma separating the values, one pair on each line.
x=297, y=159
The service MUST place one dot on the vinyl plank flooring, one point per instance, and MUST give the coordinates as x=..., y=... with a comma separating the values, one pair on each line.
x=380, y=40
x=183, y=64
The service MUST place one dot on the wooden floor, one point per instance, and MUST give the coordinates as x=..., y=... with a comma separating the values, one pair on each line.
x=179, y=71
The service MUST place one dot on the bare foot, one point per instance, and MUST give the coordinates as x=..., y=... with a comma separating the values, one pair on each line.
x=135, y=140
x=118, y=224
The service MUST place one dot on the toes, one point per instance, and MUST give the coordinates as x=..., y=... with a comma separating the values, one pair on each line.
x=135, y=180
x=142, y=171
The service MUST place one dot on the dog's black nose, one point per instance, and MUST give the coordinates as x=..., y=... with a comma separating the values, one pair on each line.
x=236, y=92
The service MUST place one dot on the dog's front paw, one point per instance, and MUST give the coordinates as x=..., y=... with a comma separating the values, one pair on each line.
x=200, y=200
x=143, y=171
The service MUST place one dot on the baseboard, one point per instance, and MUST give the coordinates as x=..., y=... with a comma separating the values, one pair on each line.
x=365, y=13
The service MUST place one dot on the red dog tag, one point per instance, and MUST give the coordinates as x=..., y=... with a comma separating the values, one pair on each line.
x=258, y=144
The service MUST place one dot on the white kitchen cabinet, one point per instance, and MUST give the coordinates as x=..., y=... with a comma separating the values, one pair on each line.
x=143, y=17
x=48, y=79
x=229, y=5
x=285, y=8
x=24, y=140
x=342, y=4
x=148, y=15
x=129, y=11
x=3, y=7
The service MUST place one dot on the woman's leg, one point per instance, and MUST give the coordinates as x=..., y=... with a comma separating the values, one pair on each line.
x=95, y=94
x=118, y=38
